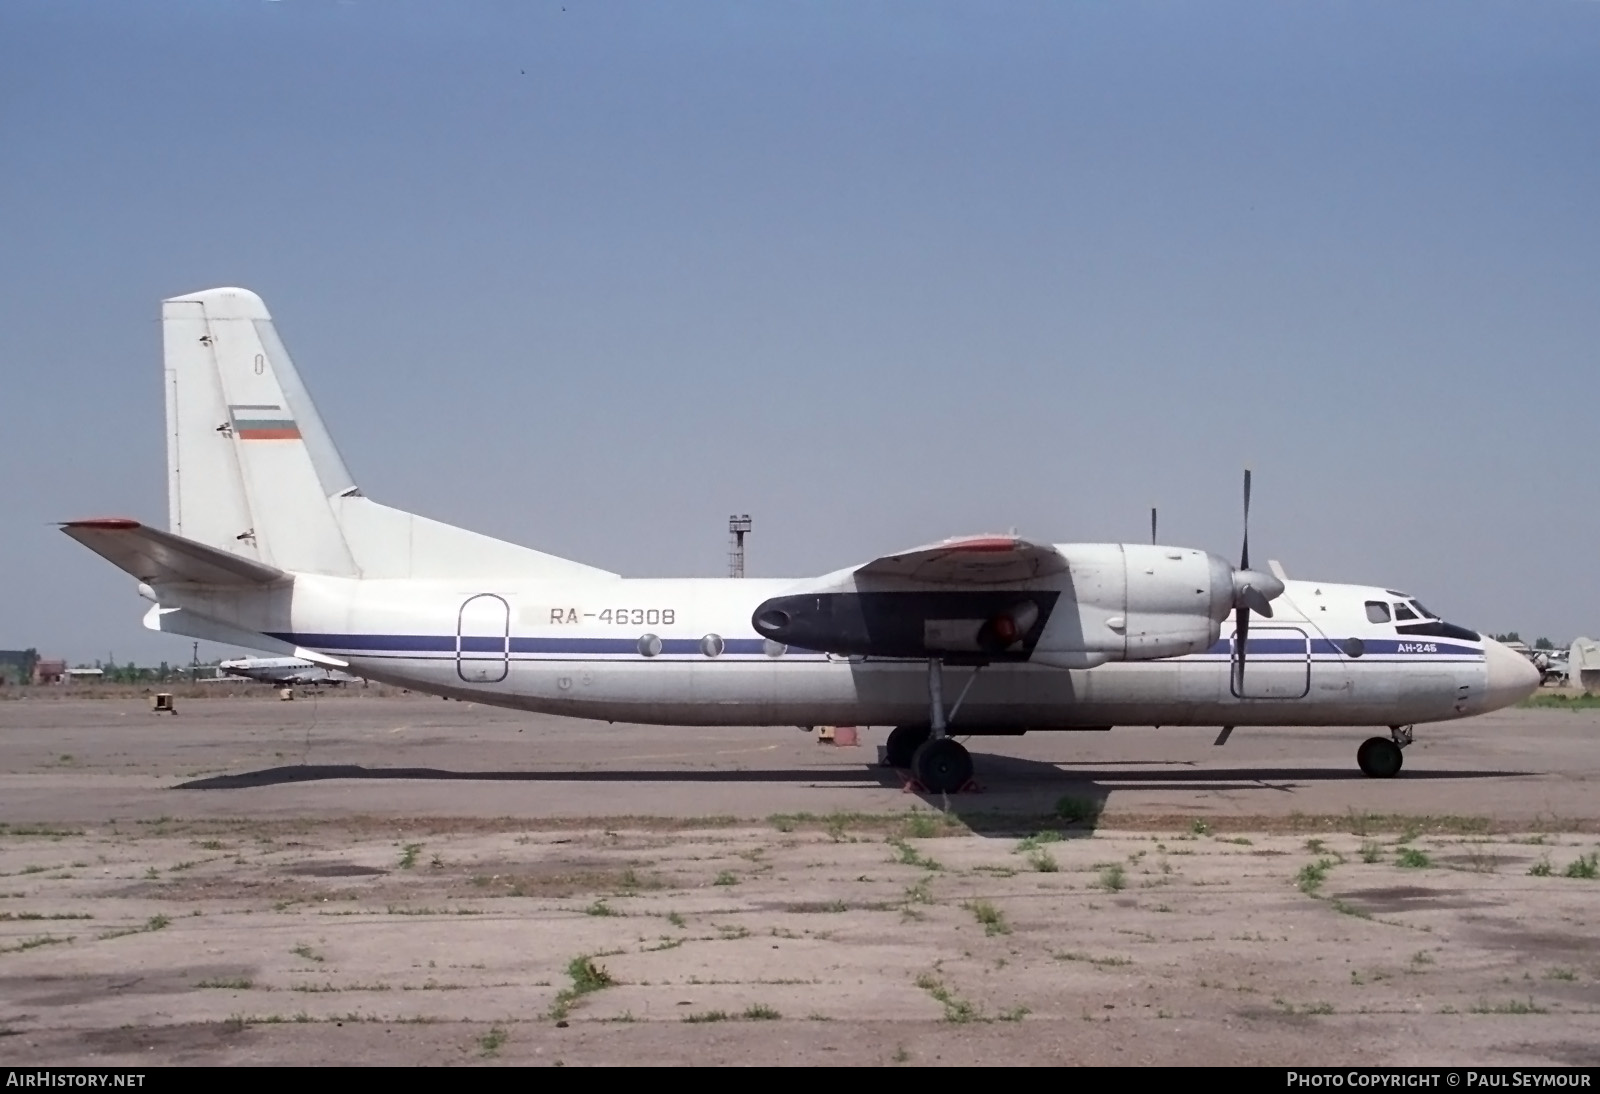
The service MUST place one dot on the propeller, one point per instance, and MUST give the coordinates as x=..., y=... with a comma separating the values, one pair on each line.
x=1152, y=526
x=1253, y=591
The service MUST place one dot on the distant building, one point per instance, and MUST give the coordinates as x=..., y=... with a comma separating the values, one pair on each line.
x=85, y=674
x=48, y=672
x=16, y=666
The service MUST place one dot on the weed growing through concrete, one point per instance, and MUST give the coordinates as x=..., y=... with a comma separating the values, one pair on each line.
x=988, y=915
x=760, y=1012
x=910, y=856
x=1104, y=962
x=956, y=1009
x=1586, y=867
x=1371, y=851
x=1412, y=859
x=1312, y=875
x=1540, y=868
x=1036, y=841
x=587, y=977
x=1512, y=1006
x=6, y=917
x=490, y=1042
x=35, y=943
x=1076, y=810
x=1113, y=878
x=408, y=857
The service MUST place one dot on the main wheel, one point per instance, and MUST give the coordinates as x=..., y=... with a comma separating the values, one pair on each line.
x=942, y=766
x=902, y=745
x=1380, y=758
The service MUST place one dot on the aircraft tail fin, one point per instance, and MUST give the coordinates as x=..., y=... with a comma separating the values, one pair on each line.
x=160, y=558
x=253, y=472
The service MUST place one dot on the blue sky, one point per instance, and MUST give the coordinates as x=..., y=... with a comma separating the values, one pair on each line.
x=593, y=276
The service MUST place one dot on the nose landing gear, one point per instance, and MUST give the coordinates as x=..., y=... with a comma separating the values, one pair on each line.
x=1381, y=759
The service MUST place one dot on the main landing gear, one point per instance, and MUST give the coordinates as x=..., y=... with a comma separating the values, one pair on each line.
x=1380, y=758
x=939, y=764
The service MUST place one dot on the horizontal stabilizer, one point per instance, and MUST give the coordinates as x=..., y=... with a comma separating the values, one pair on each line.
x=161, y=558
x=971, y=560
x=190, y=625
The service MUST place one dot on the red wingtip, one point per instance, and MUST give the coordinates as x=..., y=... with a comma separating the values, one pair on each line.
x=109, y=524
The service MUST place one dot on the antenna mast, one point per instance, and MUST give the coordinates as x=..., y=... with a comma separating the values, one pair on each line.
x=738, y=526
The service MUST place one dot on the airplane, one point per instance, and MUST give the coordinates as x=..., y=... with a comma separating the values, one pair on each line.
x=284, y=670
x=271, y=545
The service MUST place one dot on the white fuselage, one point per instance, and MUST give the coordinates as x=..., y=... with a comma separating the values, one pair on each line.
x=577, y=648
x=270, y=544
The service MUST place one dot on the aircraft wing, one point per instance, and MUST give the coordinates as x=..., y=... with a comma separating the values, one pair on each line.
x=969, y=560
x=161, y=558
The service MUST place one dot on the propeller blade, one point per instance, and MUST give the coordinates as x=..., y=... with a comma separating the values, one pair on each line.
x=1241, y=627
x=1244, y=551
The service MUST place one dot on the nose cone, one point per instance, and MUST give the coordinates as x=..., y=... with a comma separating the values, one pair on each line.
x=1512, y=677
x=1255, y=590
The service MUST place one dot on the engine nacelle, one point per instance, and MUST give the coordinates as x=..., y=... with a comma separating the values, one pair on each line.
x=1114, y=602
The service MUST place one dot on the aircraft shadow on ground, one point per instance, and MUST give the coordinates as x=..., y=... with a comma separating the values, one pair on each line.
x=1014, y=795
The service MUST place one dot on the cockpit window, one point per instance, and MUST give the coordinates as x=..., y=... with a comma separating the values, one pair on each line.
x=1426, y=614
x=1403, y=612
x=1377, y=611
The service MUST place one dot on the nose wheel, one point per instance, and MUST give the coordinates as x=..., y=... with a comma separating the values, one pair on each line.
x=1381, y=758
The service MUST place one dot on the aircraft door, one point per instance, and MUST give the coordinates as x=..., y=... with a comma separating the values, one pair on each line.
x=483, y=639
x=1278, y=665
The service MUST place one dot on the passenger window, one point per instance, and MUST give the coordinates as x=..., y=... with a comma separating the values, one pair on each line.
x=1377, y=611
x=1403, y=612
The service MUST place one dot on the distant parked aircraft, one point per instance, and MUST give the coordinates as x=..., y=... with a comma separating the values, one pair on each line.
x=285, y=670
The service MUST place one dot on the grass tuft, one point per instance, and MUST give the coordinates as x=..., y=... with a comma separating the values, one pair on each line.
x=1586, y=867
x=1312, y=875
x=988, y=915
x=1076, y=810
x=489, y=1044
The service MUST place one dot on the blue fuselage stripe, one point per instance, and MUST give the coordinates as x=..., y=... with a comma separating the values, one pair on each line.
x=1386, y=648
